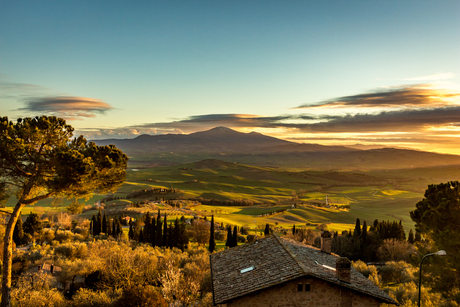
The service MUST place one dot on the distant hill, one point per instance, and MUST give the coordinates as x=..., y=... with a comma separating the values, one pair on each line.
x=258, y=149
x=216, y=140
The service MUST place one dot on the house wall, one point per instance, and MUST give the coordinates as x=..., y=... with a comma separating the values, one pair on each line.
x=321, y=294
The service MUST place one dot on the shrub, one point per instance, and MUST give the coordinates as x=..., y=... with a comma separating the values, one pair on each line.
x=88, y=298
x=141, y=296
x=220, y=235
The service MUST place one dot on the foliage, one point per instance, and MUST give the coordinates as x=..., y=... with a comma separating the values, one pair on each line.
x=89, y=298
x=36, y=289
x=32, y=225
x=142, y=297
x=395, y=250
x=212, y=240
x=40, y=159
x=437, y=218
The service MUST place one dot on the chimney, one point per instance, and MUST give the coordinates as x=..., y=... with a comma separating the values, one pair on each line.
x=326, y=242
x=343, y=269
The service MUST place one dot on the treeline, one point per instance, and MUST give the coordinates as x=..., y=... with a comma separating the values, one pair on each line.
x=274, y=212
x=99, y=224
x=228, y=202
x=144, y=192
x=159, y=232
x=383, y=241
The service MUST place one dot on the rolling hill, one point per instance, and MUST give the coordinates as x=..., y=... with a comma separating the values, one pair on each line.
x=258, y=149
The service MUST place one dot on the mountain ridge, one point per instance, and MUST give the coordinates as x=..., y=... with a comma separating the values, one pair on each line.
x=259, y=149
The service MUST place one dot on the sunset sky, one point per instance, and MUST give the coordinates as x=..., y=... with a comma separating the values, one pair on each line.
x=365, y=72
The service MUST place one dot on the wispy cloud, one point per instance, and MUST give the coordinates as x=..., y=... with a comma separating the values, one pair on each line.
x=407, y=96
x=434, y=77
x=70, y=108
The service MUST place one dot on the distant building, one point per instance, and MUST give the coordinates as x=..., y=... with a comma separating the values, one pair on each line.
x=275, y=272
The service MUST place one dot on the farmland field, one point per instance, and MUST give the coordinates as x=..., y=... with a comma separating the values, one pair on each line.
x=367, y=195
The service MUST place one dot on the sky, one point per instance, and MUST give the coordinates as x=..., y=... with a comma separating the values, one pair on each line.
x=377, y=73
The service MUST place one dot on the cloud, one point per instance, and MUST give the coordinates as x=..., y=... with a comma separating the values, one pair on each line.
x=435, y=77
x=400, y=121
x=67, y=107
x=407, y=96
x=392, y=121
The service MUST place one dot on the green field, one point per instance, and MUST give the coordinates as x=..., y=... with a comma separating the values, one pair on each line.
x=370, y=195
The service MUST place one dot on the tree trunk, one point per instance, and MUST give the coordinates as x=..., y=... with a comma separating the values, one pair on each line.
x=8, y=255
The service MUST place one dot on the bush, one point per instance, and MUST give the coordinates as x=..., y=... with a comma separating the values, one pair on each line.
x=141, y=296
x=220, y=235
x=72, y=250
x=88, y=298
x=241, y=239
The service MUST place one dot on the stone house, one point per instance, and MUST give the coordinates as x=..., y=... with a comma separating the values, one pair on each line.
x=279, y=272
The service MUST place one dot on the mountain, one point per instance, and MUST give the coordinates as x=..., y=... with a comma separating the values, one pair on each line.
x=216, y=140
x=258, y=149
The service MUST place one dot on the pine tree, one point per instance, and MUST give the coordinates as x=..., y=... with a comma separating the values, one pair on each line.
x=104, y=223
x=212, y=240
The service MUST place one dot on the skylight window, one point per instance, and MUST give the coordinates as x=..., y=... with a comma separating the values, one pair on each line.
x=247, y=269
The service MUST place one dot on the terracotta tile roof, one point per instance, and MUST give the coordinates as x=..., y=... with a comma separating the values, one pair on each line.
x=276, y=260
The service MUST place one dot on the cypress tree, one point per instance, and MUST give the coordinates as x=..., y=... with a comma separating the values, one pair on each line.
x=235, y=237
x=183, y=238
x=170, y=235
x=153, y=229
x=159, y=237
x=92, y=228
x=114, y=228
x=228, y=243
x=98, y=224
x=165, y=232
x=212, y=240
x=131, y=231
x=147, y=228
x=411, y=238
x=177, y=234
x=109, y=228
x=267, y=229
x=104, y=224
x=293, y=230
x=418, y=236
x=141, y=236
x=357, y=232
x=18, y=233
x=364, y=232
